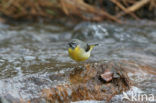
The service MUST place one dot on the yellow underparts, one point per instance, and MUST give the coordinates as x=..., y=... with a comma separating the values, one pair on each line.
x=78, y=54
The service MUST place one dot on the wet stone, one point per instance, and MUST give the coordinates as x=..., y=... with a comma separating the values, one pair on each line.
x=85, y=84
x=107, y=76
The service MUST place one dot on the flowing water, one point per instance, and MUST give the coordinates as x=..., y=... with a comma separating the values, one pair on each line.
x=31, y=54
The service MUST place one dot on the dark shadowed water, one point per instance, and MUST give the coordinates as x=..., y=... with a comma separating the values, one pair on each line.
x=30, y=54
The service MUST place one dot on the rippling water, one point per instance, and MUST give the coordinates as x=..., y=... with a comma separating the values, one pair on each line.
x=31, y=54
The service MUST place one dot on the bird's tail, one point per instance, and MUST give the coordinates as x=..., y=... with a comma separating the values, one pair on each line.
x=93, y=45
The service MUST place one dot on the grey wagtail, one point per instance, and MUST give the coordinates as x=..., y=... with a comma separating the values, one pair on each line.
x=79, y=50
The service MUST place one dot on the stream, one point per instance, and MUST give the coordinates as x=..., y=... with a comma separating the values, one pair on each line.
x=32, y=53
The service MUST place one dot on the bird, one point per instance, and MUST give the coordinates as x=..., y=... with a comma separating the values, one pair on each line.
x=79, y=50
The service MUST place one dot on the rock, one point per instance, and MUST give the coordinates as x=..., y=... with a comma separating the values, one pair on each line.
x=107, y=76
x=86, y=85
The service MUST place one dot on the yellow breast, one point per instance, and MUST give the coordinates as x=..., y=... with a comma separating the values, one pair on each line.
x=78, y=54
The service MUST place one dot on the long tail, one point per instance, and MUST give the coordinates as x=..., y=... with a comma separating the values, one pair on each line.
x=93, y=45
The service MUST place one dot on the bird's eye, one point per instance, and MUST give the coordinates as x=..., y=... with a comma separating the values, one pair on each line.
x=72, y=44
